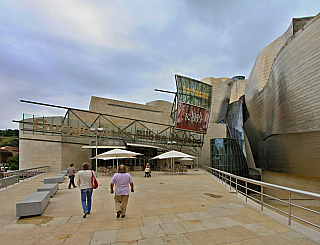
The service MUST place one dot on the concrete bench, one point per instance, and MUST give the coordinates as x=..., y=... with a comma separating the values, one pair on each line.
x=52, y=180
x=61, y=177
x=11, y=180
x=33, y=204
x=49, y=187
x=64, y=172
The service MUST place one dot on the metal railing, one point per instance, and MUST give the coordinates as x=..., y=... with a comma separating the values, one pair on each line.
x=26, y=173
x=240, y=185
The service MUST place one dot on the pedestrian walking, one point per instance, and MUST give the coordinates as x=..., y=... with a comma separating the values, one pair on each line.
x=71, y=172
x=121, y=180
x=84, y=181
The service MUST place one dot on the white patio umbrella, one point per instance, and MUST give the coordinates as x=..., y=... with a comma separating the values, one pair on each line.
x=116, y=154
x=172, y=154
x=186, y=159
x=112, y=158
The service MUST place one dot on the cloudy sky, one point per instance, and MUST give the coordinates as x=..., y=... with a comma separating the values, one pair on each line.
x=63, y=52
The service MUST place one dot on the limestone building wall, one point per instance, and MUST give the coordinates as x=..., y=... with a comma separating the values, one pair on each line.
x=36, y=153
x=238, y=88
x=215, y=131
x=221, y=92
x=155, y=111
x=73, y=153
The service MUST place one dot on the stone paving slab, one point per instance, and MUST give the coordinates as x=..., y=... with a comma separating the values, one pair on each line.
x=164, y=209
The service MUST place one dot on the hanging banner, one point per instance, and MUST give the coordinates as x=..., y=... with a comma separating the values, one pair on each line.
x=194, y=103
x=192, y=118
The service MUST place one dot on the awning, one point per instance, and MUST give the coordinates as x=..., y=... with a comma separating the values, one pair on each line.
x=103, y=147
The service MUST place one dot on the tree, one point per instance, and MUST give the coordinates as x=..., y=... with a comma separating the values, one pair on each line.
x=13, y=162
x=14, y=142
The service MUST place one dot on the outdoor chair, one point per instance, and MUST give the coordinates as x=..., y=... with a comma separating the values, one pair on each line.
x=103, y=171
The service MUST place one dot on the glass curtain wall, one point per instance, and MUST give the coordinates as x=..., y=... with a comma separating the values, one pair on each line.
x=226, y=155
x=229, y=154
x=234, y=120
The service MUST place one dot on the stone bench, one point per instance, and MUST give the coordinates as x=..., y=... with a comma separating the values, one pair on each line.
x=11, y=180
x=34, y=204
x=61, y=177
x=64, y=172
x=52, y=180
x=49, y=187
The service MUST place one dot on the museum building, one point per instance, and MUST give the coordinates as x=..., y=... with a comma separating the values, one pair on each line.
x=267, y=124
x=148, y=129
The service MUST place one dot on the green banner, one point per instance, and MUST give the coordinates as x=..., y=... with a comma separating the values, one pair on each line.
x=193, y=92
x=194, y=103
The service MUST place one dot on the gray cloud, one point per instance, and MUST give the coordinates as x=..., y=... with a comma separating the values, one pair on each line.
x=64, y=52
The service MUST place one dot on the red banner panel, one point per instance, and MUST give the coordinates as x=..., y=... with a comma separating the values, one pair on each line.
x=192, y=118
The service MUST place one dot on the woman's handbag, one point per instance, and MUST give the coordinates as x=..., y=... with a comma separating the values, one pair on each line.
x=94, y=181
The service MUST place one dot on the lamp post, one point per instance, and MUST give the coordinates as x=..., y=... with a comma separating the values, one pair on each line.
x=96, y=133
x=96, y=153
x=171, y=148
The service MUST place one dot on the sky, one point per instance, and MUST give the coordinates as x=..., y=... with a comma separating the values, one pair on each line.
x=62, y=52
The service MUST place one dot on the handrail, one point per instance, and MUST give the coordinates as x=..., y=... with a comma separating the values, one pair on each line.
x=27, y=173
x=227, y=177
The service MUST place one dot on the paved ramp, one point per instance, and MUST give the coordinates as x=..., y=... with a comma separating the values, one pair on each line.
x=164, y=209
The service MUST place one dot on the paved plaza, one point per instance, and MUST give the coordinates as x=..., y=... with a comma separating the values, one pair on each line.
x=164, y=209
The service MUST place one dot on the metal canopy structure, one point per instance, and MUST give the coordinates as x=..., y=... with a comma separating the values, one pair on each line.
x=102, y=147
x=85, y=123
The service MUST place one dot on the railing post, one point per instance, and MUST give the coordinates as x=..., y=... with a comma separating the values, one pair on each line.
x=246, y=191
x=222, y=175
x=289, y=208
x=225, y=180
x=236, y=186
x=261, y=198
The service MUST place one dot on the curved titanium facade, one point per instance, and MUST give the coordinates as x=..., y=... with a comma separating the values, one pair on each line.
x=282, y=99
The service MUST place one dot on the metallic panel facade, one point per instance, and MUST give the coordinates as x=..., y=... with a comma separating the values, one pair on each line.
x=282, y=98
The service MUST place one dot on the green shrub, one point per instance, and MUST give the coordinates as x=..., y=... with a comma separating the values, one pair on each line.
x=13, y=162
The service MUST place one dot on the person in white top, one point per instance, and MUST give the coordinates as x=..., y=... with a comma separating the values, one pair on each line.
x=84, y=181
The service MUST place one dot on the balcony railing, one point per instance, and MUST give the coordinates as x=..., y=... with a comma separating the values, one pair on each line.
x=254, y=190
x=26, y=173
